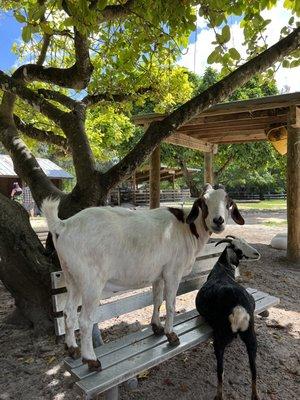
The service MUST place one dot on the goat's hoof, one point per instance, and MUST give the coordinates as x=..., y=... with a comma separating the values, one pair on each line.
x=73, y=352
x=218, y=397
x=157, y=330
x=173, y=339
x=94, y=365
x=255, y=397
x=265, y=314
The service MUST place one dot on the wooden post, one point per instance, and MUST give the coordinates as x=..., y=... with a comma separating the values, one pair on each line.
x=155, y=178
x=293, y=189
x=133, y=188
x=208, y=168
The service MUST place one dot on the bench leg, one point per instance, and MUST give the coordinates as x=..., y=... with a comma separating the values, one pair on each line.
x=97, y=339
x=112, y=394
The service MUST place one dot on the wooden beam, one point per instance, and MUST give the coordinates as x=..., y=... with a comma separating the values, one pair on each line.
x=251, y=105
x=190, y=142
x=155, y=178
x=208, y=168
x=237, y=124
x=294, y=117
x=293, y=193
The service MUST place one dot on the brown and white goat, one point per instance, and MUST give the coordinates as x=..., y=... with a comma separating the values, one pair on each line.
x=120, y=249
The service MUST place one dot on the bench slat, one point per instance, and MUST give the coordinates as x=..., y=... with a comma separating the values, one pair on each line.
x=149, y=342
x=59, y=300
x=136, y=337
x=58, y=280
x=124, y=370
x=132, y=303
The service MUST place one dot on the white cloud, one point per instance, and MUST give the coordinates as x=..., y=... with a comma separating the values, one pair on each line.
x=196, y=56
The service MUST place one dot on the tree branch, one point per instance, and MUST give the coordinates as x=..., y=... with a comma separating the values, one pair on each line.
x=41, y=135
x=59, y=97
x=15, y=87
x=159, y=130
x=113, y=12
x=93, y=99
x=75, y=77
x=45, y=45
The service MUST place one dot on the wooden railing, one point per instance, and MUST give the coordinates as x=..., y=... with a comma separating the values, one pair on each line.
x=142, y=197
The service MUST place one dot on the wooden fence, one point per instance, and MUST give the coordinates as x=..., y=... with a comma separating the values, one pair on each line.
x=142, y=197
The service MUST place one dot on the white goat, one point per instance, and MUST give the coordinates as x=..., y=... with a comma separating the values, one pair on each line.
x=116, y=247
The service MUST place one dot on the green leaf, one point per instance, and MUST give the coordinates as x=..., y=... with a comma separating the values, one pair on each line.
x=101, y=4
x=215, y=56
x=19, y=17
x=286, y=64
x=225, y=34
x=26, y=33
x=234, y=53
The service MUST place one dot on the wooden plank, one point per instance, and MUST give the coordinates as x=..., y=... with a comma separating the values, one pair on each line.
x=201, y=266
x=143, y=360
x=127, y=340
x=294, y=117
x=181, y=139
x=131, y=303
x=135, y=337
x=182, y=323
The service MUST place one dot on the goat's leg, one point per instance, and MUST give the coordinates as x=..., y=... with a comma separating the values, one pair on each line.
x=171, y=287
x=70, y=315
x=249, y=338
x=158, y=296
x=90, y=302
x=219, y=353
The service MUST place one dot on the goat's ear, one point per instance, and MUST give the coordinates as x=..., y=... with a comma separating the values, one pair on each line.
x=235, y=214
x=199, y=203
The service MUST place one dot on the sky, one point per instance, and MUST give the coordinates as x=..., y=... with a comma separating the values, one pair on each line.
x=200, y=47
x=194, y=57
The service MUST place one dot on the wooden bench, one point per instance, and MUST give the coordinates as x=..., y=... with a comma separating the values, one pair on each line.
x=136, y=352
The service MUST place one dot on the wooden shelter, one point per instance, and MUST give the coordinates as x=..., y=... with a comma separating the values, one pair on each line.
x=8, y=175
x=241, y=122
x=167, y=173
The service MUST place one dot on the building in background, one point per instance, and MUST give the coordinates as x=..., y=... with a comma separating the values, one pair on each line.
x=8, y=177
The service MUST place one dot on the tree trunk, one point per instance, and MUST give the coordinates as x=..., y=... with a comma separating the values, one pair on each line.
x=192, y=185
x=24, y=266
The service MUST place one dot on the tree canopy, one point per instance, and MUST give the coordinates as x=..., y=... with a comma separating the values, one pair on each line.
x=83, y=66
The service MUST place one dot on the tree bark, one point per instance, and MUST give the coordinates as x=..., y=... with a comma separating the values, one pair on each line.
x=192, y=185
x=24, y=265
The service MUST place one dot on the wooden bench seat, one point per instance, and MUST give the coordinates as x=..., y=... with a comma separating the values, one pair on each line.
x=134, y=353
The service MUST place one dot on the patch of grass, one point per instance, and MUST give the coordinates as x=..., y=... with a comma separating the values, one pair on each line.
x=275, y=224
x=264, y=205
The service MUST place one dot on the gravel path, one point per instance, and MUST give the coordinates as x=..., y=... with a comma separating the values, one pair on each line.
x=31, y=368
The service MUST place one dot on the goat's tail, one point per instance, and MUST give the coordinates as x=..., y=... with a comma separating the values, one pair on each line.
x=50, y=210
x=239, y=319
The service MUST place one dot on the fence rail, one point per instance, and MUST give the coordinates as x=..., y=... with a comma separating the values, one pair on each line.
x=142, y=197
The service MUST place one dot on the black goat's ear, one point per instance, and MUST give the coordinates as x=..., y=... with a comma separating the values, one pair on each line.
x=199, y=203
x=235, y=214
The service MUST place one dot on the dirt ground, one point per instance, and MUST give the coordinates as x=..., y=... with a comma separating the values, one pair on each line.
x=32, y=368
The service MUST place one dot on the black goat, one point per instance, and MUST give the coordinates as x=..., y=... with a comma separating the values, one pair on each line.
x=229, y=308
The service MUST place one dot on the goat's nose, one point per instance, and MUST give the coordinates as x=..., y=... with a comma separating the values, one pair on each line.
x=218, y=221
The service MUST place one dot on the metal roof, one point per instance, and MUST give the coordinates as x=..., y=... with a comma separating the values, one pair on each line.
x=51, y=169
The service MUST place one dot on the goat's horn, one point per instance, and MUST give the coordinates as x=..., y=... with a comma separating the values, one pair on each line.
x=231, y=236
x=223, y=241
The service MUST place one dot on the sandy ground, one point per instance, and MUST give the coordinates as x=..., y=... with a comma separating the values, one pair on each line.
x=32, y=368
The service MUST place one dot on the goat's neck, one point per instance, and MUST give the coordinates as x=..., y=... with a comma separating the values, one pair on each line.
x=229, y=261
x=202, y=231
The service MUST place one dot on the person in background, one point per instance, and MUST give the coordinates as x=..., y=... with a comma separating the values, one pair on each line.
x=16, y=193
x=28, y=202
